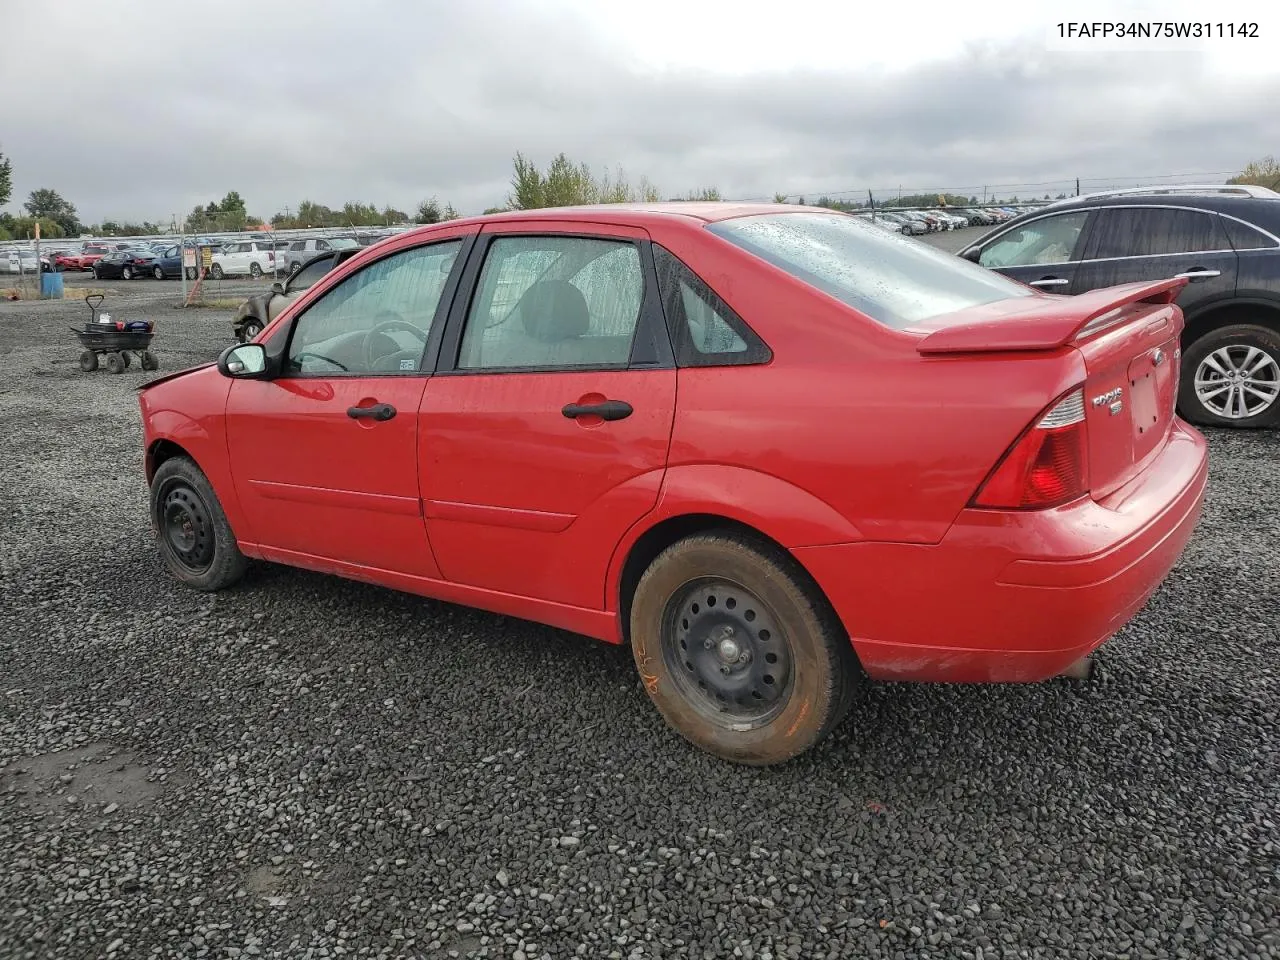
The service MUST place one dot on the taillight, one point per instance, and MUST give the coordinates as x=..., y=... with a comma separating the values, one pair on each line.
x=1048, y=465
x=271, y=257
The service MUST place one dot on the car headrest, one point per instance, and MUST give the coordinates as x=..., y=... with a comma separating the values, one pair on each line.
x=555, y=310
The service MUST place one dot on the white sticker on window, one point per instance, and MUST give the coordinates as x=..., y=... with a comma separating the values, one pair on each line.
x=406, y=364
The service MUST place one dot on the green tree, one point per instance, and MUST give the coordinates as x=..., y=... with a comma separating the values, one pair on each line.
x=24, y=228
x=428, y=211
x=49, y=204
x=1261, y=173
x=709, y=193
x=779, y=198
x=6, y=179
x=450, y=213
x=565, y=183
x=489, y=210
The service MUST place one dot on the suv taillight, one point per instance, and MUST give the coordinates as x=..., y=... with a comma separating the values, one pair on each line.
x=1048, y=465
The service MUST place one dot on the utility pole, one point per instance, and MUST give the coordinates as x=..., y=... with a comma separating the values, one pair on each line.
x=1077, y=186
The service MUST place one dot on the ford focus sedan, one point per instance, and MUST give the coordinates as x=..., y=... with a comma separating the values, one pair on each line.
x=776, y=450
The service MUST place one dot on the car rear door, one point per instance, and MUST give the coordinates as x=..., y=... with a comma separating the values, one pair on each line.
x=544, y=433
x=1042, y=252
x=1128, y=243
x=325, y=456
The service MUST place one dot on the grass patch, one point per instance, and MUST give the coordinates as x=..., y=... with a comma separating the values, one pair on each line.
x=68, y=293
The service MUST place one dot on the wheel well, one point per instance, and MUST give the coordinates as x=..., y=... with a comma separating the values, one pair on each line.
x=653, y=541
x=1268, y=315
x=159, y=452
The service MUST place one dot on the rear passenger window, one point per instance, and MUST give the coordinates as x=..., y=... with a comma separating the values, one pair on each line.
x=549, y=302
x=1153, y=231
x=1245, y=237
x=704, y=329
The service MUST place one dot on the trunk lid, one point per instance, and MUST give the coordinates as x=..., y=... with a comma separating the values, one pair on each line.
x=1128, y=336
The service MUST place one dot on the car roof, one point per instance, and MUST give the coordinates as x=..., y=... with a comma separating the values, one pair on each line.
x=638, y=214
x=1264, y=211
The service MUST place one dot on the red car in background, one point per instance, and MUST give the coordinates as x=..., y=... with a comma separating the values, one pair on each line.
x=774, y=449
x=90, y=253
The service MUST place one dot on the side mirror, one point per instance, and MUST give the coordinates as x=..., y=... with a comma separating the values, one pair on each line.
x=973, y=254
x=244, y=361
x=278, y=288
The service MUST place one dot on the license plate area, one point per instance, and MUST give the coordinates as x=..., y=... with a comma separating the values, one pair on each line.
x=1151, y=384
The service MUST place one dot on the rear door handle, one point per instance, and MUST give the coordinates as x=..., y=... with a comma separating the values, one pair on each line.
x=606, y=410
x=379, y=411
x=1198, y=273
x=1050, y=282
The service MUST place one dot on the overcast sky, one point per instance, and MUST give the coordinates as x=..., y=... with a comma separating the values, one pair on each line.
x=391, y=101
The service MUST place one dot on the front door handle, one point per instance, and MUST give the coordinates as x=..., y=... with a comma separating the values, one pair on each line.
x=1050, y=282
x=605, y=410
x=1198, y=273
x=379, y=412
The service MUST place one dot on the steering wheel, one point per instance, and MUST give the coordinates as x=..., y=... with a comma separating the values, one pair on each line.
x=393, y=321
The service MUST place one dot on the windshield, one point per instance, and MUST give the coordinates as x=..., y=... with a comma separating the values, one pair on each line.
x=886, y=276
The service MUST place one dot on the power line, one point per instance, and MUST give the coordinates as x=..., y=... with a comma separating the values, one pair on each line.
x=973, y=188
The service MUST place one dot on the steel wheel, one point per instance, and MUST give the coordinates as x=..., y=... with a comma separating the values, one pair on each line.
x=126, y=273
x=727, y=653
x=186, y=532
x=1238, y=381
x=158, y=273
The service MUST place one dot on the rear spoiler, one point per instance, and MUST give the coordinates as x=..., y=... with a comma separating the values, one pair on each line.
x=1046, y=323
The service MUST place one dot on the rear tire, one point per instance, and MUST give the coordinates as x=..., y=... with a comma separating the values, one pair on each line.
x=196, y=542
x=1231, y=378
x=191, y=273
x=126, y=273
x=215, y=271
x=739, y=651
x=255, y=271
x=88, y=361
x=158, y=273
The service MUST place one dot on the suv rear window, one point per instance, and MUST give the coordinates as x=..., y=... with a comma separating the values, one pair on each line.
x=893, y=280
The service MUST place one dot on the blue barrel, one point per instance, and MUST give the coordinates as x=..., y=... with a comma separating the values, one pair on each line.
x=51, y=286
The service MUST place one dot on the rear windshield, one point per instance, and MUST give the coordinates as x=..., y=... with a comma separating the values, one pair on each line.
x=888, y=277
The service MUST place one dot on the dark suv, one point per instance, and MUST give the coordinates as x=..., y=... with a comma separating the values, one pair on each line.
x=1226, y=239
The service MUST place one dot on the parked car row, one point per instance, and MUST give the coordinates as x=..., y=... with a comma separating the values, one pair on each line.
x=917, y=222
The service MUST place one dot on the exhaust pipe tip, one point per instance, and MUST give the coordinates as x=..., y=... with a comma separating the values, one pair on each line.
x=1082, y=669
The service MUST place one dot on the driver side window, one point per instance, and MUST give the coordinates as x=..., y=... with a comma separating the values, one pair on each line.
x=377, y=320
x=1044, y=241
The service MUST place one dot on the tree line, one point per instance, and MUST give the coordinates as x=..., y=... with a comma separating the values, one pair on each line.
x=561, y=183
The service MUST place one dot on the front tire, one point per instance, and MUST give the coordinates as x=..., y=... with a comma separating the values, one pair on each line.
x=250, y=330
x=196, y=542
x=191, y=273
x=158, y=273
x=215, y=271
x=739, y=651
x=255, y=271
x=126, y=273
x=1231, y=378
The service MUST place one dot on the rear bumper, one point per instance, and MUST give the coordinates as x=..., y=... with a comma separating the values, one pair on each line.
x=1016, y=597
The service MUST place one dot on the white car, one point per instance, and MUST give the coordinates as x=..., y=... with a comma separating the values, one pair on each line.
x=300, y=251
x=241, y=258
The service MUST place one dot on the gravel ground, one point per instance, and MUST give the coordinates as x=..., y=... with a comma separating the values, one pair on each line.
x=307, y=767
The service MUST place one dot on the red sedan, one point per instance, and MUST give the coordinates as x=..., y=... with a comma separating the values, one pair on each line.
x=775, y=449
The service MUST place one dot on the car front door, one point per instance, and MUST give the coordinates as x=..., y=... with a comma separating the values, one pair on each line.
x=1131, y=243
x=325, y=456
x=1041, y=252
x=545, y=430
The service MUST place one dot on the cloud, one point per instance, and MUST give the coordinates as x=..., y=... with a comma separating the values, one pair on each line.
x=144, y=117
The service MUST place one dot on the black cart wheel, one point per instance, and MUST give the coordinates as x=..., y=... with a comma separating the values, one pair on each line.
x=739, y=650
x=88, y=361
x=196, y=543
x=149, y=361
x=125, y=358
x=115, y=362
